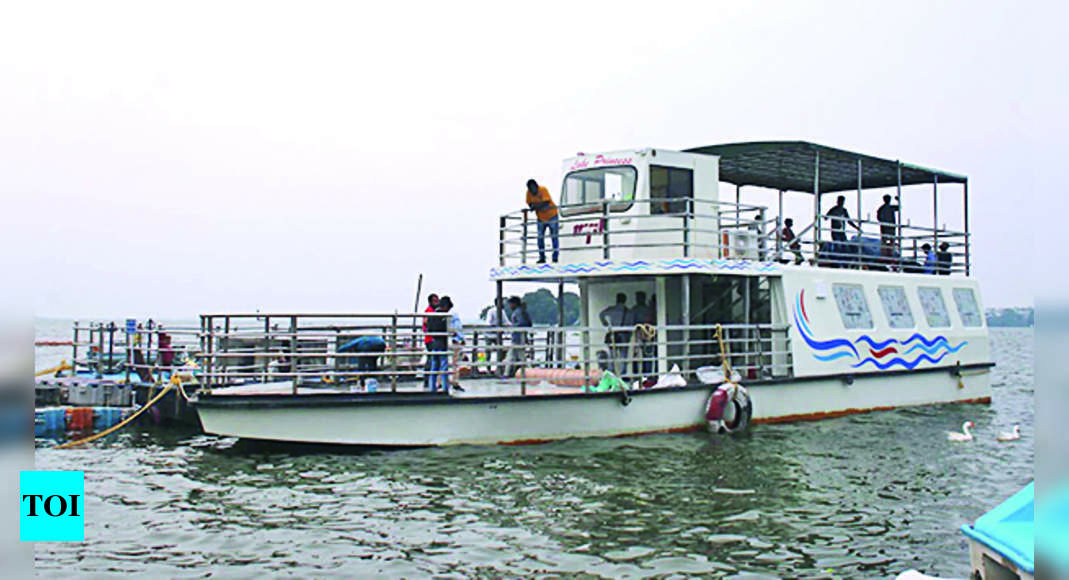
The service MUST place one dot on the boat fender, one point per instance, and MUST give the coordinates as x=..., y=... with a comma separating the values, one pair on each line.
x=729, y=409
x=625, y=396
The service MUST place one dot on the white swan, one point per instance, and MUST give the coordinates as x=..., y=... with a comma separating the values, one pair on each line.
x=966, y=436
x=1012, y=436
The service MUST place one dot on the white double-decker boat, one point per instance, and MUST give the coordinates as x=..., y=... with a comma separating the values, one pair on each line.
x=825, y=326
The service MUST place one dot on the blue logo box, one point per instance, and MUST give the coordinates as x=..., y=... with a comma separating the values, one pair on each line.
x=52, y=506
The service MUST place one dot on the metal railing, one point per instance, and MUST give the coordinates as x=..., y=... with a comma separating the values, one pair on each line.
x=332, y=351
x=148, y=354
x=724, y=230
x=682, y=226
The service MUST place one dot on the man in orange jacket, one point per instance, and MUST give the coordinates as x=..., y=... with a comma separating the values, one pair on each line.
x=538, y=199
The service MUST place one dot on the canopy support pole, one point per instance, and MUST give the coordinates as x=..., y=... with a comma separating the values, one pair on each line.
x=935, y=214
x=816, y=208
x=965, y=196
x=898, y=217
x=779, y=225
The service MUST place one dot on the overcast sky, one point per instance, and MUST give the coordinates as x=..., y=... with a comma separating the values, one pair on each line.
x=202, y=157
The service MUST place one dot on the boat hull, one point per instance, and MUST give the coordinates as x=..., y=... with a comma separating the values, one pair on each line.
x=417, y=419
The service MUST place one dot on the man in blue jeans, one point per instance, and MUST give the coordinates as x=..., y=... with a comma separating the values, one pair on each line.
x=437, y=351
x=539, y=200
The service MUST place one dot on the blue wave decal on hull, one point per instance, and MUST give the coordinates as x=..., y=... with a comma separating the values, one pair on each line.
x=933, y=349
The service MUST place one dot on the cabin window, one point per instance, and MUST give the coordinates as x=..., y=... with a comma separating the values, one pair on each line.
x=670, y=187
x=967, y=307
x=895, y=306
x=584, y=190
x=935, y=309
x=853, y=308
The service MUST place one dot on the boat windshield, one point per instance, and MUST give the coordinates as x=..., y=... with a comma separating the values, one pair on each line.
x=584, y=190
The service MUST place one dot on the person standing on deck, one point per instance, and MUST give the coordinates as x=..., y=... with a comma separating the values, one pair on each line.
x=616, y=317
x=456, y=334
x=643, y=317
x=518, y=350
x=787, y=235
x=839, y=216
x=494, y=341
x=887, y=215
x=539, y=200
x=432, y=305
x=437, y=329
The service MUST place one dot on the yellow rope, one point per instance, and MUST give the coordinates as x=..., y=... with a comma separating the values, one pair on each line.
x=125, y=422
x=723, y=352
x=62, y=366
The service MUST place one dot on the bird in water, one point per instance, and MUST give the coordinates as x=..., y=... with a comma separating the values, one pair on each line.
x=1012, y=436
x=965, y=435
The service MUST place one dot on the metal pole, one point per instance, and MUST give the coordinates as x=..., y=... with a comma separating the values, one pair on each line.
x=100, y=349
x=523, y=243
x=111, y=344
x=859, y=211
x=779, y=224
x=209, y=359
x=74, y=347
x=605, y=229
x=965, y=196
x=935, y=214
x=584, y=320
x=294, y=368
x=129, y=357
x=393, y=355
x=267, y=347
x=226, y=334
x=898, y=216
x=686, y=226
x=816, y=208
x=560, y=324
x=501, y=225
x=686, y=323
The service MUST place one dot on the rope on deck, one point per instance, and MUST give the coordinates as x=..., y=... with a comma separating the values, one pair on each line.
x=62, y=366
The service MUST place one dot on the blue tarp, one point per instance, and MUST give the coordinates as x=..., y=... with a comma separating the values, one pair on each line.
x=1009, y=529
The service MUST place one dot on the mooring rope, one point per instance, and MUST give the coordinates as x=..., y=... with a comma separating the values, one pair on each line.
x=174, y=381
x=62, y=366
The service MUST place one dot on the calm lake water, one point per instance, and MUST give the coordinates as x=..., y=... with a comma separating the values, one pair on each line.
x=862, y=496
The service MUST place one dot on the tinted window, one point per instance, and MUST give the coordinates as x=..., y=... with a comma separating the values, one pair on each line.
x=669, y=188
x=853, y=308
x=935, y=309
x=895, y=306
x=968, y=310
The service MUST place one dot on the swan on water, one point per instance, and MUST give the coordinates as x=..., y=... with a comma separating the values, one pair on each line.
x=965, y=436
x=1012, y=436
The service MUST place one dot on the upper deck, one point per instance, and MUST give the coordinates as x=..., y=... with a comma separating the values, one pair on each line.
x=661, y=211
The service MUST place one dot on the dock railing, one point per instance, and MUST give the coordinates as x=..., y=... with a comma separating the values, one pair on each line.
x=694, y=228
x=149, y=353
x=307, y=352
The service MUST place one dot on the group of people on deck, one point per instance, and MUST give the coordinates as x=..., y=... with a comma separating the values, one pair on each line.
x=442, y=334
x=927, y=261
x=631, y=338
x=445, y=334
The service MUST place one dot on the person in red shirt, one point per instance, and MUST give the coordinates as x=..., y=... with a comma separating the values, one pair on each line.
x=432, y=306
x=792, y=243
x=539, y=200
